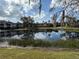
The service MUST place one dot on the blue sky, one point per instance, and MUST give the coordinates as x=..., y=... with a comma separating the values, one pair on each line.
x=45, y=9
x=46, y=5
x=12, y=10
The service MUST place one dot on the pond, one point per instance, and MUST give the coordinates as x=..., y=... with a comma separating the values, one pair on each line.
x=39, y=35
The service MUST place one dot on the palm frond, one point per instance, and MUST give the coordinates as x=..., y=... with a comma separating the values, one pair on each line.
x=29, y=2
x=40, y=7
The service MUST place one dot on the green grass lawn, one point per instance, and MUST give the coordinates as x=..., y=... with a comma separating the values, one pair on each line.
x=15, y=53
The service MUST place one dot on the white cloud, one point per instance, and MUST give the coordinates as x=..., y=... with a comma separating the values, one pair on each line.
x=14, y=8
x=39, y=18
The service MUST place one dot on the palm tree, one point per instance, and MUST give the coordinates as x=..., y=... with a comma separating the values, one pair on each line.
x=48, y=21
x=71, y=20
x=29, y=2
x=40, y=7
x=27, y=21
x=54, y=20
x=63, y=14
x=63, y=17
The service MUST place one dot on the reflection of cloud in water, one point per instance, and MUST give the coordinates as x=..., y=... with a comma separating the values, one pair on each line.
x=17, y=36
x=41, y=35
x=48, y=35
x=55, y=36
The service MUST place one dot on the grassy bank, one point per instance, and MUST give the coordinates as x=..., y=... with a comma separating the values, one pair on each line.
x=15, y=53
x=42, y=43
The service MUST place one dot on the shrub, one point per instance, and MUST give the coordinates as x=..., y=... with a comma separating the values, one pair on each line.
x=66, y=43
x=34, y=43
x=43, y=43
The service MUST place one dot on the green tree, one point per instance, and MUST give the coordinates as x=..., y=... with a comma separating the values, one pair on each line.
x=27, y=21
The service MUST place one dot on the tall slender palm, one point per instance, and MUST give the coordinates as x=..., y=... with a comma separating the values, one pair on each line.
x=63, y=17
x=40, y=7
x=29, y=2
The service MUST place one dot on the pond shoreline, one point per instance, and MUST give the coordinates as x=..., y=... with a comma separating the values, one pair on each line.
x=41, y=48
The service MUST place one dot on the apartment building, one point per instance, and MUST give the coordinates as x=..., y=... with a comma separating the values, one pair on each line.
x=9, y=25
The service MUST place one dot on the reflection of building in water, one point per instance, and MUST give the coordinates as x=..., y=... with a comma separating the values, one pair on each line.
x=9, y=33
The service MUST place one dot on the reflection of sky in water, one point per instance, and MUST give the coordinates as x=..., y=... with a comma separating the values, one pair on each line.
x=40, y=35
x=48, y=35
x=17, y=36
